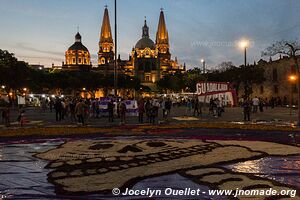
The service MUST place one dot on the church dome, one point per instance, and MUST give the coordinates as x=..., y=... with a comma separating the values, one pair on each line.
x=78, y=54
x=78, y=45
x=145, y=43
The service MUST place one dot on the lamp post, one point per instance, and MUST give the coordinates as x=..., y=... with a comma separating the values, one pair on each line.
x=203, y=65
x=115, y=64
x=244, y=44
x=292, y=79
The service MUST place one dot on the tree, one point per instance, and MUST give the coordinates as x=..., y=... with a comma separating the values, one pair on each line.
x=290, y=49
x=14, y=74
x=173, y=82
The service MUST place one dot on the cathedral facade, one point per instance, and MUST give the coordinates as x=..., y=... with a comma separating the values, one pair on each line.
x=149, y=61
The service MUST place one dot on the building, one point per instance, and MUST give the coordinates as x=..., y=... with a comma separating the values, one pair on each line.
x=149, y=61
x=77, y=56
x=277, y=82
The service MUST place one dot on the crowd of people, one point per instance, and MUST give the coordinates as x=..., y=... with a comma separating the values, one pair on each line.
x=81, y=110
x=148, y=110
x=257, y=104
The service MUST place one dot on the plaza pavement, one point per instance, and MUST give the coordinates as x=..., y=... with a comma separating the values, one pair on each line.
x=278, y=116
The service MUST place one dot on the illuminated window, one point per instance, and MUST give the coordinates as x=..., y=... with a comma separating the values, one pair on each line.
x=147, y=78
x=74, y=61
x=79, y=60
x=102, y=60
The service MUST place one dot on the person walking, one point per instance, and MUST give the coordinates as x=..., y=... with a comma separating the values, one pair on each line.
x=141, y=110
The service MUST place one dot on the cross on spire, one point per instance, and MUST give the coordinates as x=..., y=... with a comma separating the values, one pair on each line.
x=77, y=29
x=105, y=6
x=161, y=9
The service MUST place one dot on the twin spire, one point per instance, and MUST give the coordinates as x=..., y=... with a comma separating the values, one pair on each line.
x=106, y=35
x=162, y=37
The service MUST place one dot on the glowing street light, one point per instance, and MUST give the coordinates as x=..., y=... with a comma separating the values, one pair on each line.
x=292, y=79
x=24, y=89
x=3, y=86
x=244, y=44
x=84, y=89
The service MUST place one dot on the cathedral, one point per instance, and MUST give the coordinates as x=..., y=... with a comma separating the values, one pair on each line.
x=149, y=61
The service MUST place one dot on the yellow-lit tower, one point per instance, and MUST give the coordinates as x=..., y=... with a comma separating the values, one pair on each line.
x=106, y=44
x=162, y=38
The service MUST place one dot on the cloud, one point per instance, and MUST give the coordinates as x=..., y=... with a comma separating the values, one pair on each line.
x=25, y=46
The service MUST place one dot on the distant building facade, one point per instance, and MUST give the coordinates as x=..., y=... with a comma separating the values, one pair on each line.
x=77, y=56
x=148, y=61
x=277, y=82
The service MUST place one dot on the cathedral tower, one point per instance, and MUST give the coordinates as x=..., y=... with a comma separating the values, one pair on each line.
x=162, y=38
x=106, y=44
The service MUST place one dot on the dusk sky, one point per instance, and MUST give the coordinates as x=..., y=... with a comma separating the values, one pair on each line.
x=40, y=31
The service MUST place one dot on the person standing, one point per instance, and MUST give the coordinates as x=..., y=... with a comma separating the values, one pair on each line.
x=123, y=112
x=197, y=107
x=141, y=110
x=255, y=103
x=168, y=106
x=72, y=106
x=51, y=103
x=147, y=109
x=247, y=109
x=164, y=109
x=58, y=109
x=110, y=108
x=80, y=111
x=152, y=114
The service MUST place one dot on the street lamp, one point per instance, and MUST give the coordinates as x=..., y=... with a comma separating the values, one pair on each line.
x=244, y=44
x=203, y=64
x=115, y=63
x=292, y=79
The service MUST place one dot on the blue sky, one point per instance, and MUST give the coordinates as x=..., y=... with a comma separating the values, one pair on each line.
x=40, y=31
